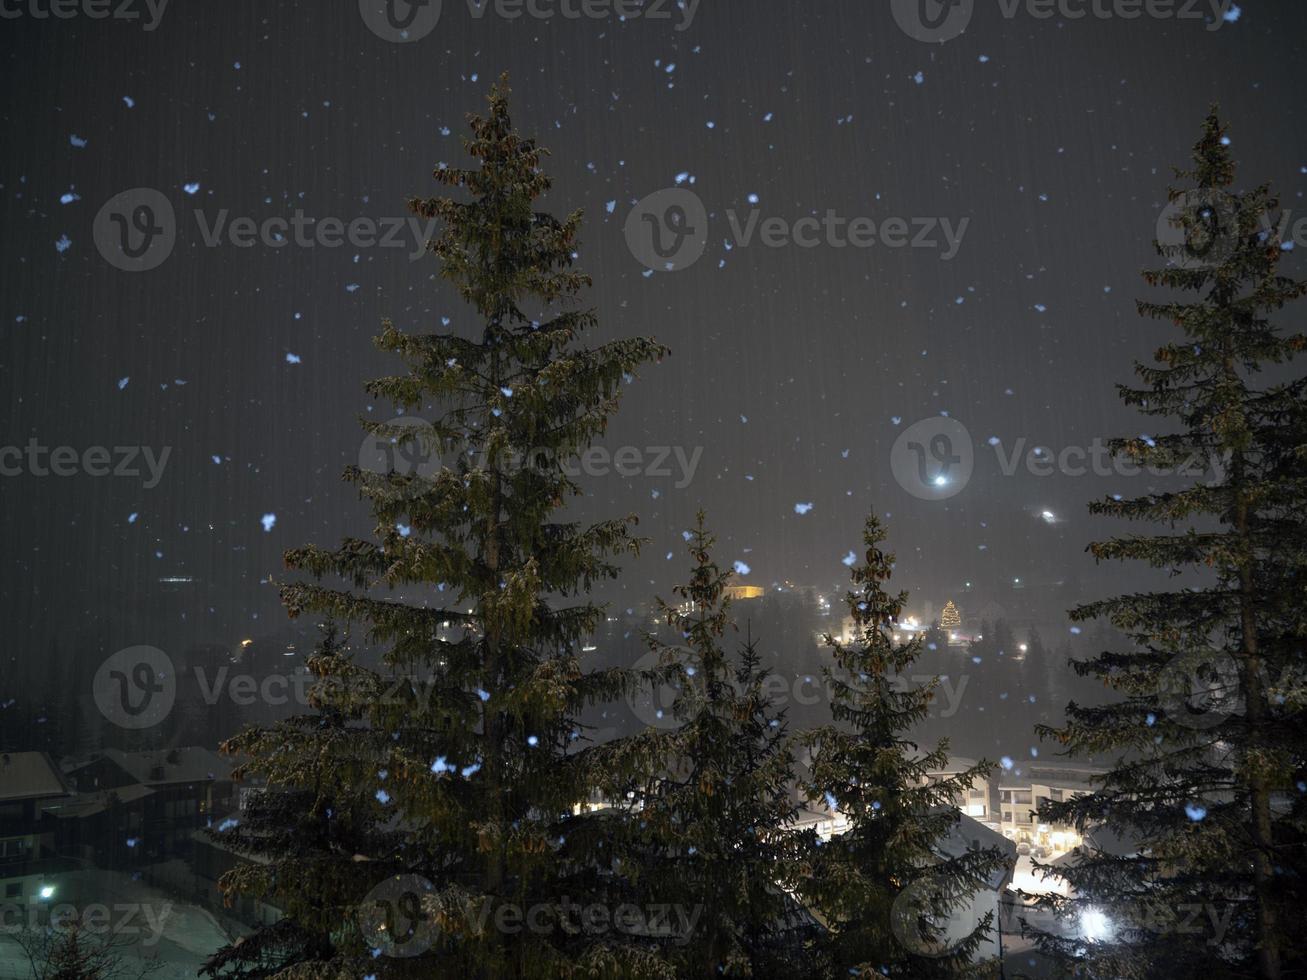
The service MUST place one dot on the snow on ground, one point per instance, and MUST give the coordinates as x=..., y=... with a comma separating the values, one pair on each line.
x=148, y=922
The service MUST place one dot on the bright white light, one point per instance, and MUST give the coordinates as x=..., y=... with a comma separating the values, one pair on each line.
x=1049, y=516
x=1095, y=926
x=941, y=480
x=47, y=891
x=1023, y=647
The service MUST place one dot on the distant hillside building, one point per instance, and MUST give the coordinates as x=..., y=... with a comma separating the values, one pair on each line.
x=146, y=802
x=30, y=868
x=744, y=591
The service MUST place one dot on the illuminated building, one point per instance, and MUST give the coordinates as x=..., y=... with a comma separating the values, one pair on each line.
x=744, y=591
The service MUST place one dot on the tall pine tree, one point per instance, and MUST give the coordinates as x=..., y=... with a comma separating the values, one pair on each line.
x=892, y=861
x=1209, y=736
x=465, y=745
x=713, y=824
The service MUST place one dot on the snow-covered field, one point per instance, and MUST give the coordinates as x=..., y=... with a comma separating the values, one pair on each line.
x=143, y=921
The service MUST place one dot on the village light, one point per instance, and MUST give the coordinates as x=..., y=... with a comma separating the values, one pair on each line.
x=1095, y=925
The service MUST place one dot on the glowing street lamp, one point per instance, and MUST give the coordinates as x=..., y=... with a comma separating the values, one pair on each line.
x=1095, y=925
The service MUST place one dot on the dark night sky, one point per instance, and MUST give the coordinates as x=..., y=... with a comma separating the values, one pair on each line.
x=1054, y=137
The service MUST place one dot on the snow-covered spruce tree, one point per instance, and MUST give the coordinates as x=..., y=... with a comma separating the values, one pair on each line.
x=1210, y=736
x=713, y=834
x=890, y=863
x=476, y=759
x=298, y=841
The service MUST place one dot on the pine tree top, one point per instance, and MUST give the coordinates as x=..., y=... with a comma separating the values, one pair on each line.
x=460, y=760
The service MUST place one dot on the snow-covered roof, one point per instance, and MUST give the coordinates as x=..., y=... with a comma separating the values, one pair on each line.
x=969, y=834
x=186, y=764
x=90, y=804
x=29, y=776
